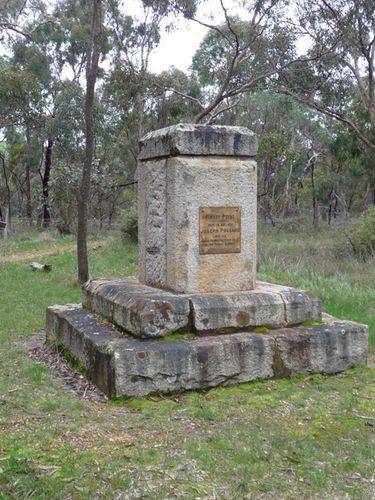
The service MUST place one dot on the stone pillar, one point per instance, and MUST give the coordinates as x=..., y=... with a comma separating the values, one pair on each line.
x=197, y=209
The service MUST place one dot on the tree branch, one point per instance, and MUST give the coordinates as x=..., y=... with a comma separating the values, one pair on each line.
x=332, y=114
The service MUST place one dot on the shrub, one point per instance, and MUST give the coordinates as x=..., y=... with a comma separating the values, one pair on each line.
x=129, y=228
x=362, y=235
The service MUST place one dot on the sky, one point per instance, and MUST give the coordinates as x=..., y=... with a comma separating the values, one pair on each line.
x=177, y=47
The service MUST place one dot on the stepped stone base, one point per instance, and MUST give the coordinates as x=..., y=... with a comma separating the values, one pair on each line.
x=122, y=365
x=149, y=312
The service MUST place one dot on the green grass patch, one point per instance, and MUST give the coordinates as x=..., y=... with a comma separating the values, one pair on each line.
x=304, y=437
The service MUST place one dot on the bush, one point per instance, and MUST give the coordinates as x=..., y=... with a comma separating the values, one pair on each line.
x=362, y=235
x=129, y=228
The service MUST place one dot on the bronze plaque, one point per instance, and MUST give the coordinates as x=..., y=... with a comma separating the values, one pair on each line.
x=219, y=230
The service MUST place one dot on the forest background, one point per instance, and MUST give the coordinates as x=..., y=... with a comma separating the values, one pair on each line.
x=300, y=75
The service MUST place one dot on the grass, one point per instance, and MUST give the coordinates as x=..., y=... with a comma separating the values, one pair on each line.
x=319, y=261
x=307, y=437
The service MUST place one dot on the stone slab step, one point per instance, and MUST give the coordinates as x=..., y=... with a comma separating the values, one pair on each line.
x=148, y=312
x=121, y=365
x=142, y=310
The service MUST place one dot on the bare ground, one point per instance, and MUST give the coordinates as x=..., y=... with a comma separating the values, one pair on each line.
x=71, y=380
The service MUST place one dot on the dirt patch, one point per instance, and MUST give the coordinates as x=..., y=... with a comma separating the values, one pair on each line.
x=71, y=380
x=94, y=435
x=46, y=252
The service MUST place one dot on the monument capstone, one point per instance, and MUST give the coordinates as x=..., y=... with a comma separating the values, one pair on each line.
x=197, y=275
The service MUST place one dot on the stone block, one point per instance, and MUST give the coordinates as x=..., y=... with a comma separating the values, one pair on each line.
x=228, y=311
x=209, y=182
x=152, y=223
x=125, y=366
x=86, y=339
x=165, y=367
x=149, y=312
x=184, y=172
x=132, y=367
x=300, y=305
x=329, y=348
x=141, y=310
x=195, y=139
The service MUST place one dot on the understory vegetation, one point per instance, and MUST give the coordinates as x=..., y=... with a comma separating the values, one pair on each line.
x=362, y=236
x=302, y=437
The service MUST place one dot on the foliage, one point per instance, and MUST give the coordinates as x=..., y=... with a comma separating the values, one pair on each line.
x=129, y=226
x=310, y=167
x=362, y=235
x=337, y=76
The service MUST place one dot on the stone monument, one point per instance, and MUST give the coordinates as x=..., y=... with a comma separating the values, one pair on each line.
x=196, y=316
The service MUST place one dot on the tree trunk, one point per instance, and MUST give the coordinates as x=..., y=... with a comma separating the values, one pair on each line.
x=315, y=214
x=330, y=196
x=93, y=53
x=9, y=194
x=286, y=205
x=6, y=229
x=330, y=214
x=335, y=208
x=29, y=210
x=45, y=183
x=351, y=199
x=140, y=114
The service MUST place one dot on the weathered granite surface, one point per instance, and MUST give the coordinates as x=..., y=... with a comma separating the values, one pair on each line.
x=124, y=366
x=170, y=193
x=329, y=348
x=148, y=312
x=141, y=310
x=195, y=182
x=195, y=139
x=300, y=305
x=85, y=338
x=152, y=227
x=182, y=169
x=237, y=310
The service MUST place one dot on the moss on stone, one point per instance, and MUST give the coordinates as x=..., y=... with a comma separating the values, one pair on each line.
x=72, y=359
x=172, y=337
x=312, y=323
x=260, y=329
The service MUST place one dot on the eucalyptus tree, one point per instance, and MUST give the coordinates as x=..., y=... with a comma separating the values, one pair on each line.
x=169, y=90
x=39, y=52
x=14, y=16
x=92, y=65
x=134, y=39
x=240, y=55
x=338, y=78
x=21, y=103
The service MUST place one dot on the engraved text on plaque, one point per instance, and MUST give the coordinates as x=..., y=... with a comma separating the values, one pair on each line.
x=219, y=230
